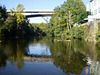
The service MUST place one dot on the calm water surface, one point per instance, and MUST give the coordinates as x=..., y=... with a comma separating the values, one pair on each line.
x=74, y=57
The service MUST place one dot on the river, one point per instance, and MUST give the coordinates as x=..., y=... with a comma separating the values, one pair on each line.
x=45, y=56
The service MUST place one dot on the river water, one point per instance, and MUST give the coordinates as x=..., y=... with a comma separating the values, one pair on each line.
x=47, y=56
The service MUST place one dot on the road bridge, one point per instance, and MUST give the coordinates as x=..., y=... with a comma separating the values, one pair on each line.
x=30, y=14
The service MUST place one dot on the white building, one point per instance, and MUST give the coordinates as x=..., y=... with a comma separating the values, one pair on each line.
x=95, y=11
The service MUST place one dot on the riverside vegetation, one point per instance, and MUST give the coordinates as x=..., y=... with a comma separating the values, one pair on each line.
x=61, y=24
x=16, y=25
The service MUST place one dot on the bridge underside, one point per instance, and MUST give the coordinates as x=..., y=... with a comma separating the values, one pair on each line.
x=30, y=14
x=38, y=15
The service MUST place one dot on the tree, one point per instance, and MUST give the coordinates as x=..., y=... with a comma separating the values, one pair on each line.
x=82, y=16
x=3, y=15
x=18, y=14
x=69, y=13
x=79, y=8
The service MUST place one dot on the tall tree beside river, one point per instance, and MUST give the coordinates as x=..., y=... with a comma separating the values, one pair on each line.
x=18, y=14
x=65, y=16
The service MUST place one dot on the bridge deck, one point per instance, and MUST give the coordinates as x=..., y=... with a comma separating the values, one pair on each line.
x=39, y=13
x=35, y=11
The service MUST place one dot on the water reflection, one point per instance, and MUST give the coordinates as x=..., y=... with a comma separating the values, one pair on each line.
x=3, y=58
x=68, y=56
x=93, y=58
x=13, y=50
x=38, y=49
x=74, y=57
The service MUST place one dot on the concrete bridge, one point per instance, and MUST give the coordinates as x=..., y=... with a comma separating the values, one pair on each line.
x=30, y=14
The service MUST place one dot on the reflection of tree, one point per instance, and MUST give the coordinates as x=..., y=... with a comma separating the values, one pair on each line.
x=3, y=58
x=14, y=50
x=67, y=56
x=20, y=59
x=92, y=52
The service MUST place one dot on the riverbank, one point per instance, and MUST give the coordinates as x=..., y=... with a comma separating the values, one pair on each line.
x=38, y=59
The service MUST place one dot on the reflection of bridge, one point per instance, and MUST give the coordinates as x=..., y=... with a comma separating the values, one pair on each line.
x=29, y=14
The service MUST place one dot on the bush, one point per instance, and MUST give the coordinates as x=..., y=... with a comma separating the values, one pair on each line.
x=68, y=37
x=98, y=34
x=77, y=32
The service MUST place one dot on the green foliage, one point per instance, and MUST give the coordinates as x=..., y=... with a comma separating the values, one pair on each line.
x=3, y=15
x=17, y=26
x=61, y=23
x=70, y=12
x=77, y=32
x=98, y=34
x=17, y=13
x=40, y=28
x=82, y=16
x=78, y=10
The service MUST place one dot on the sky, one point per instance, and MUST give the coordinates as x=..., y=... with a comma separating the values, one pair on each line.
x=35, y=5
